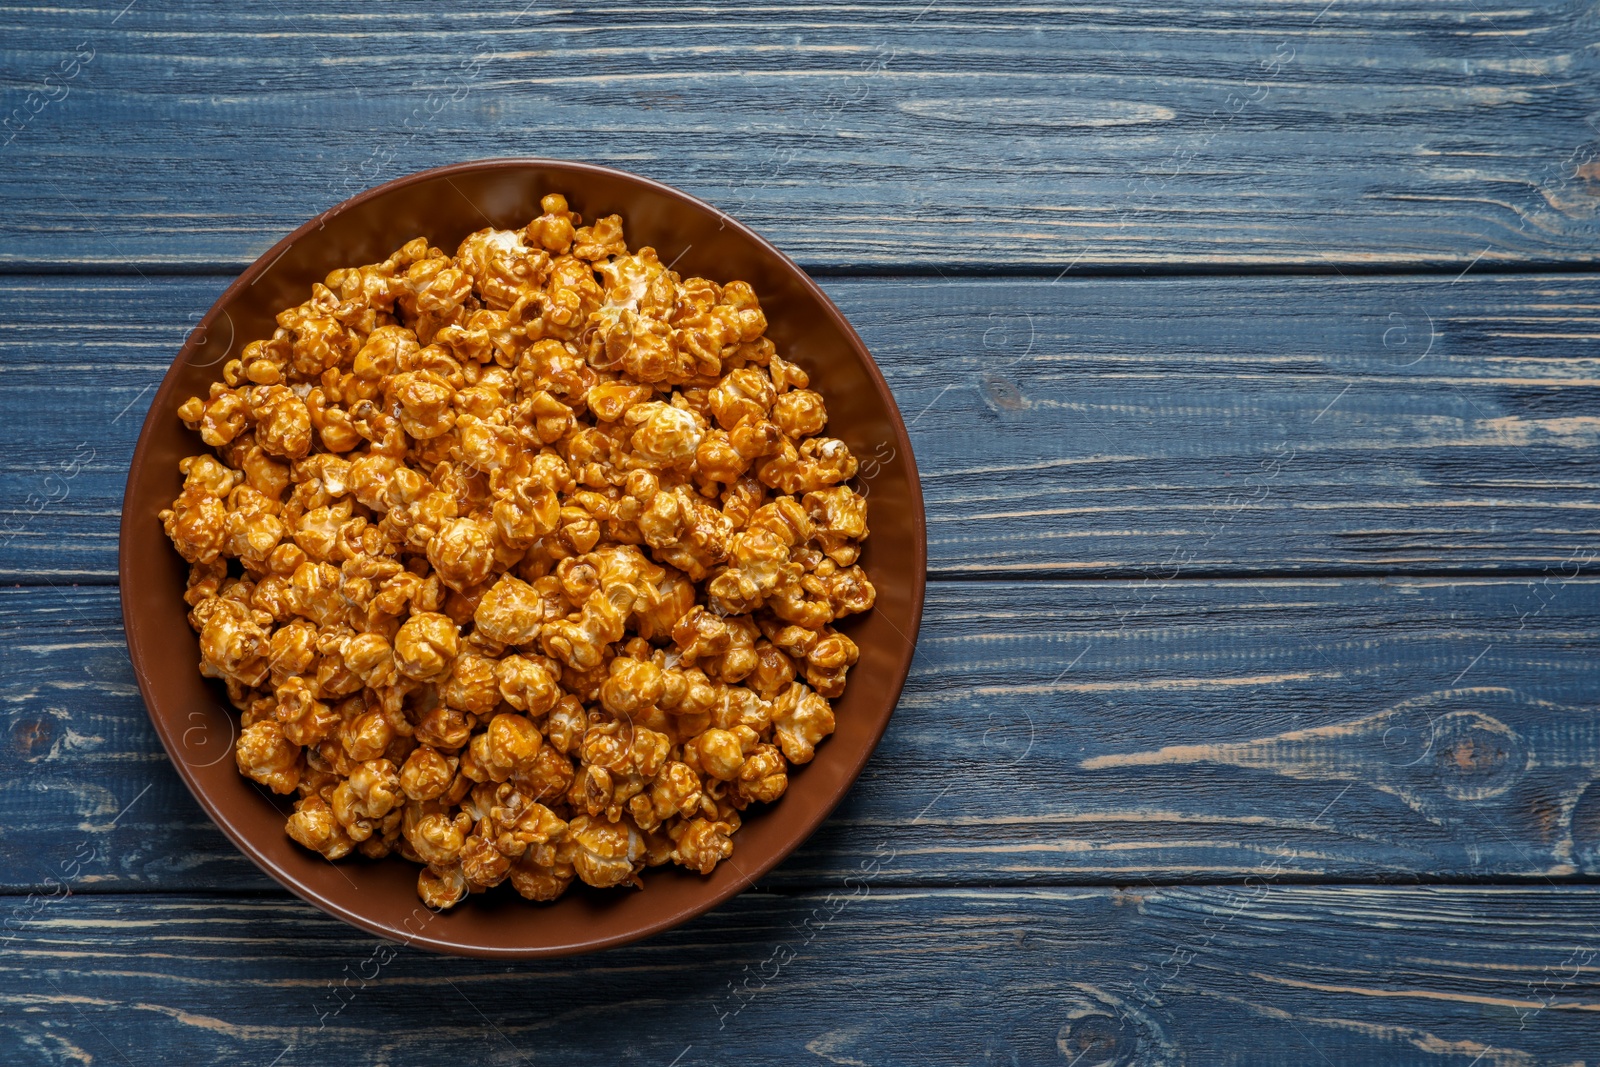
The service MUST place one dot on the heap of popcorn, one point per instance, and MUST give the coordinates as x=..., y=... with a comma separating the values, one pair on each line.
x=521, y=563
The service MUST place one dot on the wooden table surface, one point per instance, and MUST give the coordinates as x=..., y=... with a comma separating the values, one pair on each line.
x=1249, y=353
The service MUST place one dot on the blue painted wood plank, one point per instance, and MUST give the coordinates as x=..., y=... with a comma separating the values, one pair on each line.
x=1050, y=733
x=857, y=974
x=1251, y=133
x=1183, y=427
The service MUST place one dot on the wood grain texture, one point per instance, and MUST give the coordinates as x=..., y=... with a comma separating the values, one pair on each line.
x=1335, y=620
x=1250, y=133
x=1051, y=733
x=1182, y=427
x=859, y=974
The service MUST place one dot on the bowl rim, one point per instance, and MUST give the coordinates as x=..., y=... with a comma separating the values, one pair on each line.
x=139, y=654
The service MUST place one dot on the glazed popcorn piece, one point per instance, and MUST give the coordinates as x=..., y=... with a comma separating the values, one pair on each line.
x=523, y=563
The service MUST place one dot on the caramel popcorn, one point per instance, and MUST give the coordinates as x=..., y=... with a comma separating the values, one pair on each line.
x=523, y=563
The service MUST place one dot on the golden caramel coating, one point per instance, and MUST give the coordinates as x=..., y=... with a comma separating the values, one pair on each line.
x=305, y=720
x=234, y=642
x=763, y=776
x=828, y=661
x=800, y=719
x=266, y=756
x=606, y=853
x=366, y=736
x=538, y=880
x=462, y=553
x=282, y=422
x=664, y=437
x=313, y=826
x=436, y=837
x=701, y=844
x=370, y=658
x=441, y=889
x=197, y=522
x=373, y=789
x=509, y=746
x=511, y=612
x=474, y=685
x=522, y=562
x=426, y=645
x=444, y=727
x=717, y=753
x=426, y=774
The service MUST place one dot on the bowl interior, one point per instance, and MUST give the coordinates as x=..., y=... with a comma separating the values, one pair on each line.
x=198, y=726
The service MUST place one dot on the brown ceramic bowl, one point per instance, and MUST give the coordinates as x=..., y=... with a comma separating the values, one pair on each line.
x=198, y=726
